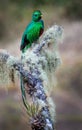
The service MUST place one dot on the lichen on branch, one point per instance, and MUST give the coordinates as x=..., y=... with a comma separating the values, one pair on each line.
x=37, y=68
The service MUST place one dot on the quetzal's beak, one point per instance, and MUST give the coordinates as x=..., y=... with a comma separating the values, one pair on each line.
x=41, y=15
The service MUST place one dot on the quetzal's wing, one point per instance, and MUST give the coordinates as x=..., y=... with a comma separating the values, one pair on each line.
x=24, y=41
x=7, y=72
x=34, y=32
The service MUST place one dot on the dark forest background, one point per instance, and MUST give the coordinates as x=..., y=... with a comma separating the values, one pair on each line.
x=14, y=12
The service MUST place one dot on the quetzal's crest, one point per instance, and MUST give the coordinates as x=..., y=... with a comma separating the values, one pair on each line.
x=33, y=31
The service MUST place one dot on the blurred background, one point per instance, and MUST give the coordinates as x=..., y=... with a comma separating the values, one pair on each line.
x=67, y=94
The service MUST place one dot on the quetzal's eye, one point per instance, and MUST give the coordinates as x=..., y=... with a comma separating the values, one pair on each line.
x=35, y=15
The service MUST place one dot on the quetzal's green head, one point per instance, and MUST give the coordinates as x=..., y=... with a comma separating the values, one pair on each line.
x=36, y=15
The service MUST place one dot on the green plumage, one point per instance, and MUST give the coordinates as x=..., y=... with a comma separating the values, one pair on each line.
x=33, y=31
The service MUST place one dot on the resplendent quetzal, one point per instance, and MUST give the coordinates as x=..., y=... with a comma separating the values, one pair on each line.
x=33, y=31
